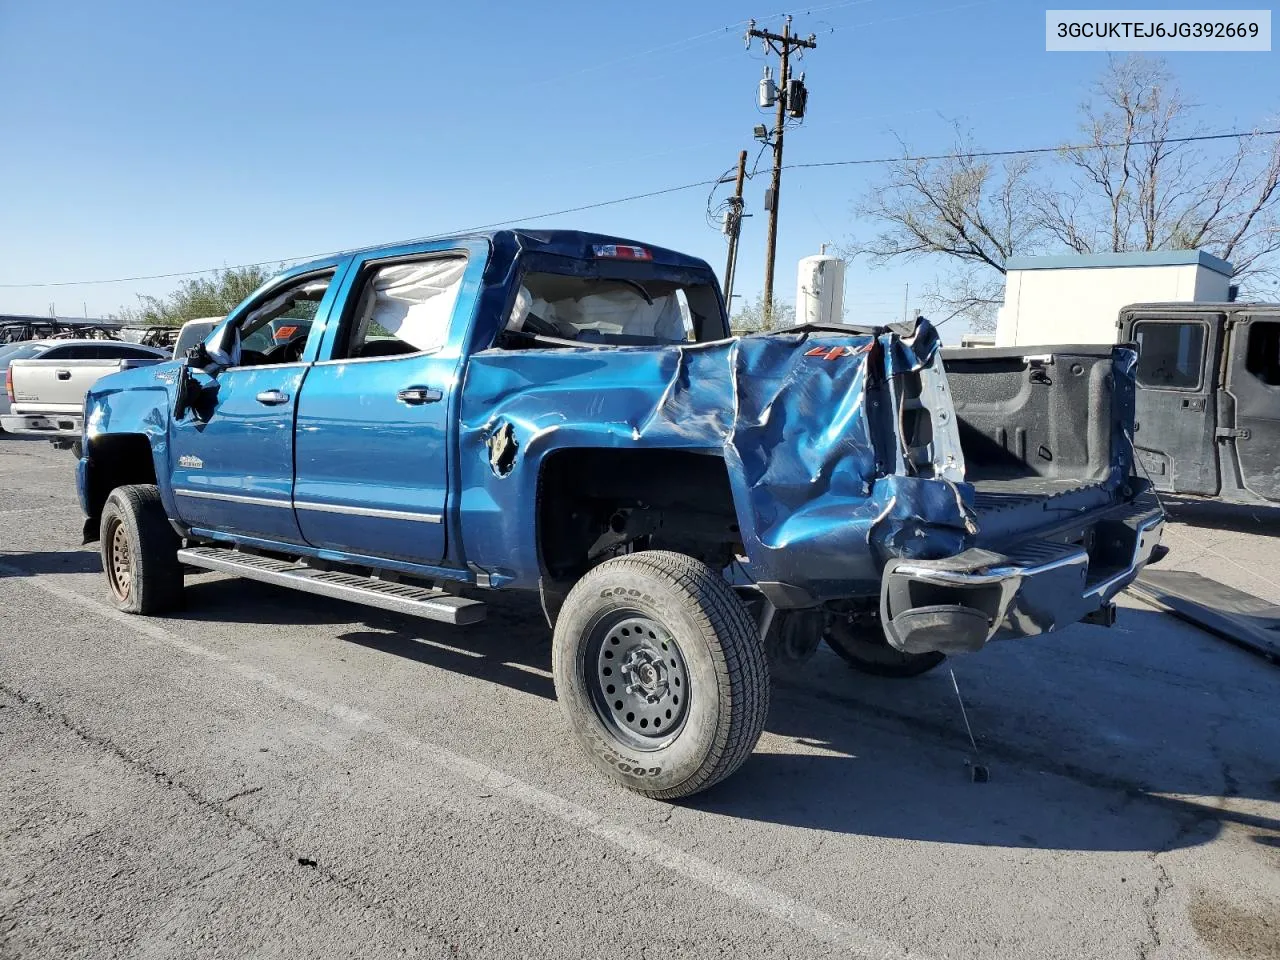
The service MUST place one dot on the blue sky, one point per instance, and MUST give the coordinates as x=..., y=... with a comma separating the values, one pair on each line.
x=152, y=137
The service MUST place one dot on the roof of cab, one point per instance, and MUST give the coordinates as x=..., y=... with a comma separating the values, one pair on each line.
x=568, y=243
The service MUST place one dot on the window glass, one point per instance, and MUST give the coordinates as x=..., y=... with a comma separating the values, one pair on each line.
x=1262, y=358
x=277, y=330
x=20, y=351
x=1170, y=355
x=603, y=310
x=193, y=332
x=405, y=308
x=119, y=351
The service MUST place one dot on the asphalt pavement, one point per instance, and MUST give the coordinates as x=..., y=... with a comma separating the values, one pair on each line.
x=270, y=774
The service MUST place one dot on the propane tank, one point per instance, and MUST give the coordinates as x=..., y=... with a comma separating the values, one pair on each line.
x=820, y=289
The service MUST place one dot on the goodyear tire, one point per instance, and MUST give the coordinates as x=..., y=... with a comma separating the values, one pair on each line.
x=660, y=673
x=139, y=551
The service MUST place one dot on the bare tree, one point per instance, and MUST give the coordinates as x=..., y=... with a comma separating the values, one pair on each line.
x=964, y=207
x=1128, y=182
x=1133, y=185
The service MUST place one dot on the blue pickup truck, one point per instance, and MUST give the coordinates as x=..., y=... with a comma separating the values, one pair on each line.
x=411, y=426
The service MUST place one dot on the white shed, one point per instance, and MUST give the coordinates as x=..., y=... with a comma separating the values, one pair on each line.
x=1077, y=299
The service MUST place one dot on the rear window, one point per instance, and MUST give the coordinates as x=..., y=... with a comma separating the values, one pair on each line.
x=603, y=310
x=191, y=334
x=20, y=351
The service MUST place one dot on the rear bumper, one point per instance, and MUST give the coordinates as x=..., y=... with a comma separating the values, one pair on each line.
x=961, y=603
x=51, y=425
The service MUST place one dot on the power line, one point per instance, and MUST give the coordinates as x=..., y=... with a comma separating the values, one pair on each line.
x=1027, y=151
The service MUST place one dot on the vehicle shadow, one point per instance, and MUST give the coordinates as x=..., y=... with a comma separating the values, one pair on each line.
x=1088, y=741
x=511, y=647
x=1215, y=515
x=1086, y=751
x=38, y=562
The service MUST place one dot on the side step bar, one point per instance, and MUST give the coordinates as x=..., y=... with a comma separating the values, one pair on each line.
x=385, y=594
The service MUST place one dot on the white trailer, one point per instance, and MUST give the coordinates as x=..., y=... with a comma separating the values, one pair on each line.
x=1077, y=299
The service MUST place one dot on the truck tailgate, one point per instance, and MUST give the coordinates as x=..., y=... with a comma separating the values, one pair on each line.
x=59, y=386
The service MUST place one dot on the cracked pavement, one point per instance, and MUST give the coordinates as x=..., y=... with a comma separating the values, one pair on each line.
x=272, y=774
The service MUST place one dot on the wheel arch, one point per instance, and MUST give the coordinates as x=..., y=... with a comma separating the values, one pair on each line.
x=112, y=460
x=605, y=497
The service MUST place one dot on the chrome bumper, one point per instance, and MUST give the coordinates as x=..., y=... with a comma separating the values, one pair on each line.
x=67, y=425
x=961, y=603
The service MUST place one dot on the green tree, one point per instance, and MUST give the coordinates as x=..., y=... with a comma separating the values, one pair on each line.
x=213, y=295
x=751, y=316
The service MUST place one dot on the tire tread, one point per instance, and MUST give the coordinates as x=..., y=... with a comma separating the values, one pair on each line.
x=158, y=580
x=742, y=667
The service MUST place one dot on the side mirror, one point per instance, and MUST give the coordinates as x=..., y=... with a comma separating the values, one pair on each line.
x=185, y=387
x=198, y=356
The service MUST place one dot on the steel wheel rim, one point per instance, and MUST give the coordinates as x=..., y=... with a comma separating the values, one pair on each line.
x=638, y=680
x=119, y=561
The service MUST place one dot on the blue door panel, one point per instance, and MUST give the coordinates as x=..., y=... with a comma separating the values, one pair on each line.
x=371, y=469
x=234, y=470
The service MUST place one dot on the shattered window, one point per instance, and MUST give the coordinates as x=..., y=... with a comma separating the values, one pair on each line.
x=1170, y=354
x=597, y=310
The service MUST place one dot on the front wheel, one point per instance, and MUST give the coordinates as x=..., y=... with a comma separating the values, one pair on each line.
x=140, y=551
x=660, y=672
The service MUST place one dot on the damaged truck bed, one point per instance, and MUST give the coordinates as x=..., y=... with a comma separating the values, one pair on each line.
x=567, y=413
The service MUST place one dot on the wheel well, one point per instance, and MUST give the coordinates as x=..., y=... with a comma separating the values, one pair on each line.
x=596, y=503
x=114, y=461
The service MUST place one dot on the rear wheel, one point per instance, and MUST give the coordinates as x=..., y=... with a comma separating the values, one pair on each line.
x=660, y=672
x=140, y=551
x=860, y=641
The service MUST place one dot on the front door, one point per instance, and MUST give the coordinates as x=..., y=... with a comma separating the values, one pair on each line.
x=1176, y=402
x=1253, y=380
x=231, y=454
x=373, y=422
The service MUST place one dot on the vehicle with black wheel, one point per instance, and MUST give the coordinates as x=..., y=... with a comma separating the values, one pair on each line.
x=411, y=426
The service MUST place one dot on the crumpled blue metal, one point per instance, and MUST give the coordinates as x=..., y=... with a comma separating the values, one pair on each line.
x=804, y=421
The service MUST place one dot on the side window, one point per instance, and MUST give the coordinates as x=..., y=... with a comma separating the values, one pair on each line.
x=1262, y=358
x=1170, y=355
x=60, y=353
x=403, y=308
x=277, y=330
x=112, y=351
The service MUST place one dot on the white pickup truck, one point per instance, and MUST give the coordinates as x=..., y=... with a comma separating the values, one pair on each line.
x=46, y=382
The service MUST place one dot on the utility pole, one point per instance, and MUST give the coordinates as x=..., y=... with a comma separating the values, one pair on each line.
x=733, y=227
x=791, y=97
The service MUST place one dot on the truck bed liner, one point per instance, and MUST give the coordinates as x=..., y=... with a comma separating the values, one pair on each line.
x=1009, y=491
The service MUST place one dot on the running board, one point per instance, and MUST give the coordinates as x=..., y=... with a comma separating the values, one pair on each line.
x=407, y=598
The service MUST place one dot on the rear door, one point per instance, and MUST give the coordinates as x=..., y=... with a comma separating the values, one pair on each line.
x=374, y=420
x=1253, y=380
x=231, y=454
x=1176, y=402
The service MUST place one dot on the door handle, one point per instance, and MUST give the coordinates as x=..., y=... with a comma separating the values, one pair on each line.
x=62, y=374
x=419, y=395
x=1193, y=403
x=273, y=397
